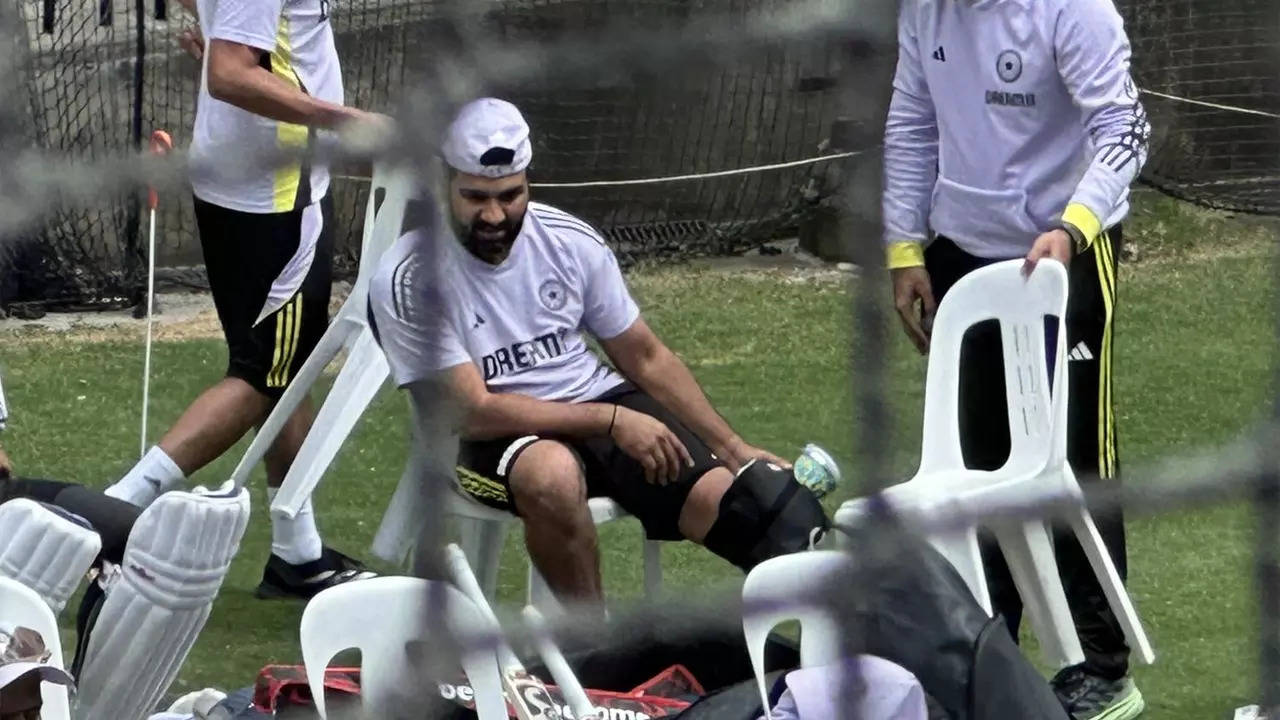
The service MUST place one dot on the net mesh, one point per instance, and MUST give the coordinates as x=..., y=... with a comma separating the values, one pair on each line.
x=1217, y=53
x=101, y=75
x=98, y=85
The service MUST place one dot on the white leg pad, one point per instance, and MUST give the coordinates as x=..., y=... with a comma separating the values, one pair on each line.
x=174, y=564
x=46, y=549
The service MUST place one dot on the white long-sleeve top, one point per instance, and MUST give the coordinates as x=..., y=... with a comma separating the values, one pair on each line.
x=1009, y=118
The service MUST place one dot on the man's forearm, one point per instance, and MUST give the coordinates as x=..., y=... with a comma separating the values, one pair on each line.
x=265, y=94
x=668, y=380
x=506, y=414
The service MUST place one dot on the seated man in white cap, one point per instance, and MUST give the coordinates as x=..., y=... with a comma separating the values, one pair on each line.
x=24, y=664
x=490, y=307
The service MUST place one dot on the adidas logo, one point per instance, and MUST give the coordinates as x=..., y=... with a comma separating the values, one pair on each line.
x=1080, y=352
x=940, y=54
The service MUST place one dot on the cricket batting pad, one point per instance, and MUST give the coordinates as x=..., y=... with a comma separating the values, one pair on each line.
x=176, y=559
x=45, y=548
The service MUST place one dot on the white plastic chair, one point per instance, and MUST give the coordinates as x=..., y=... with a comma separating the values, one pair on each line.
x=788, y=588
x=363, y=372
x=379, y=616
x=1037, y=466
x=459, y=571
x=22, y=606
x=481, y=529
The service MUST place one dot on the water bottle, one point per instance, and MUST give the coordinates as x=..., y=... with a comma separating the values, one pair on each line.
x=817, y=470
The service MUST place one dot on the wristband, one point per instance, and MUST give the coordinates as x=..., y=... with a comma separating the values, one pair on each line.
x=613, y=420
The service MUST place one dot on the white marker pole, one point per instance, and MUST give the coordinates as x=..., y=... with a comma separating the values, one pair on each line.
x=160, y=144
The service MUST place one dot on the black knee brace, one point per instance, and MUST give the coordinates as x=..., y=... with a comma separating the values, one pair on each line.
x=765, y=513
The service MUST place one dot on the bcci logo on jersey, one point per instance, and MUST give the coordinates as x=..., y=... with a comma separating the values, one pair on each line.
x=1009, y=69
x=553, y=295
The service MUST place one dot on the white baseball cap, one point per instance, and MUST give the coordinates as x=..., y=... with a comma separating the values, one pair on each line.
x=23, y=651
x=490, y=138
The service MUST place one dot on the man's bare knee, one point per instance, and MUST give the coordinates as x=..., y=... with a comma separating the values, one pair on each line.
x=703, y=504
x=547, y=481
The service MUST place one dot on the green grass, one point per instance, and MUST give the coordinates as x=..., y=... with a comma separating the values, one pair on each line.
x=1194, y=348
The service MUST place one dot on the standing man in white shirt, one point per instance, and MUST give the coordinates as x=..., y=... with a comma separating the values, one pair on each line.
x=544, y=424
x=1015, y=131
x=271, y=84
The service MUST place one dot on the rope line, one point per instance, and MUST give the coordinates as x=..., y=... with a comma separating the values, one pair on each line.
x=1215, y=106
x=676, y=178
x=818, y=159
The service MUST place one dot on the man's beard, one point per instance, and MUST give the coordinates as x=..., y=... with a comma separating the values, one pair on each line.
x=491, y=243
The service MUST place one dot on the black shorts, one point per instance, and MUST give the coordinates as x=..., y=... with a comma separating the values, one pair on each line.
x=246, y=256
x=483, y=467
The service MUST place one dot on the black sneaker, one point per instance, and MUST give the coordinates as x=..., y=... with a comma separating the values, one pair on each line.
x=284, y=580
x=1089, y=697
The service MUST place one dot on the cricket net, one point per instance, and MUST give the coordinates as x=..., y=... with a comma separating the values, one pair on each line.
x=96, y=78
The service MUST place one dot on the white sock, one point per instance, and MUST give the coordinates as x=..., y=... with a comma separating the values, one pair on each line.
x=155, y=474
x=294, y=539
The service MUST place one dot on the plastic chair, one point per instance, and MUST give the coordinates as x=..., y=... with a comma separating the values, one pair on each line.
x=788, y=588
x=22, y=606
x=1037, y=466
x=481, y=529
x=379, y=616
x=459, y=571
x=362, y=374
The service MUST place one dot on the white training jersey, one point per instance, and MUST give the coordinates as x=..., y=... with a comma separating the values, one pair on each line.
x=521, y=323
x=237, y=157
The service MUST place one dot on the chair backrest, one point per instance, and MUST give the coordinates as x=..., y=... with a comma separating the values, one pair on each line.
x=390, y=192
x=1021, y=304
x=791, y=587
x=22, y=606
x=379, y=616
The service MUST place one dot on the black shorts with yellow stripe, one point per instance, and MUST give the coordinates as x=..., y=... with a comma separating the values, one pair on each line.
x=484, y=468
x=270, y=290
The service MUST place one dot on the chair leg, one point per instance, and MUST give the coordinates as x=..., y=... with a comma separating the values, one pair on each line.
x=1112, y=586
x=652, y=568
x=481, y=541
x=539, y=593
x=1027, y=550
x=402, y=521
x=355, y=387
x=331, y=343
x=960, y=548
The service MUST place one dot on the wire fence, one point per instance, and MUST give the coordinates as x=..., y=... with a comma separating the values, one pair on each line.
x=98, y=77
